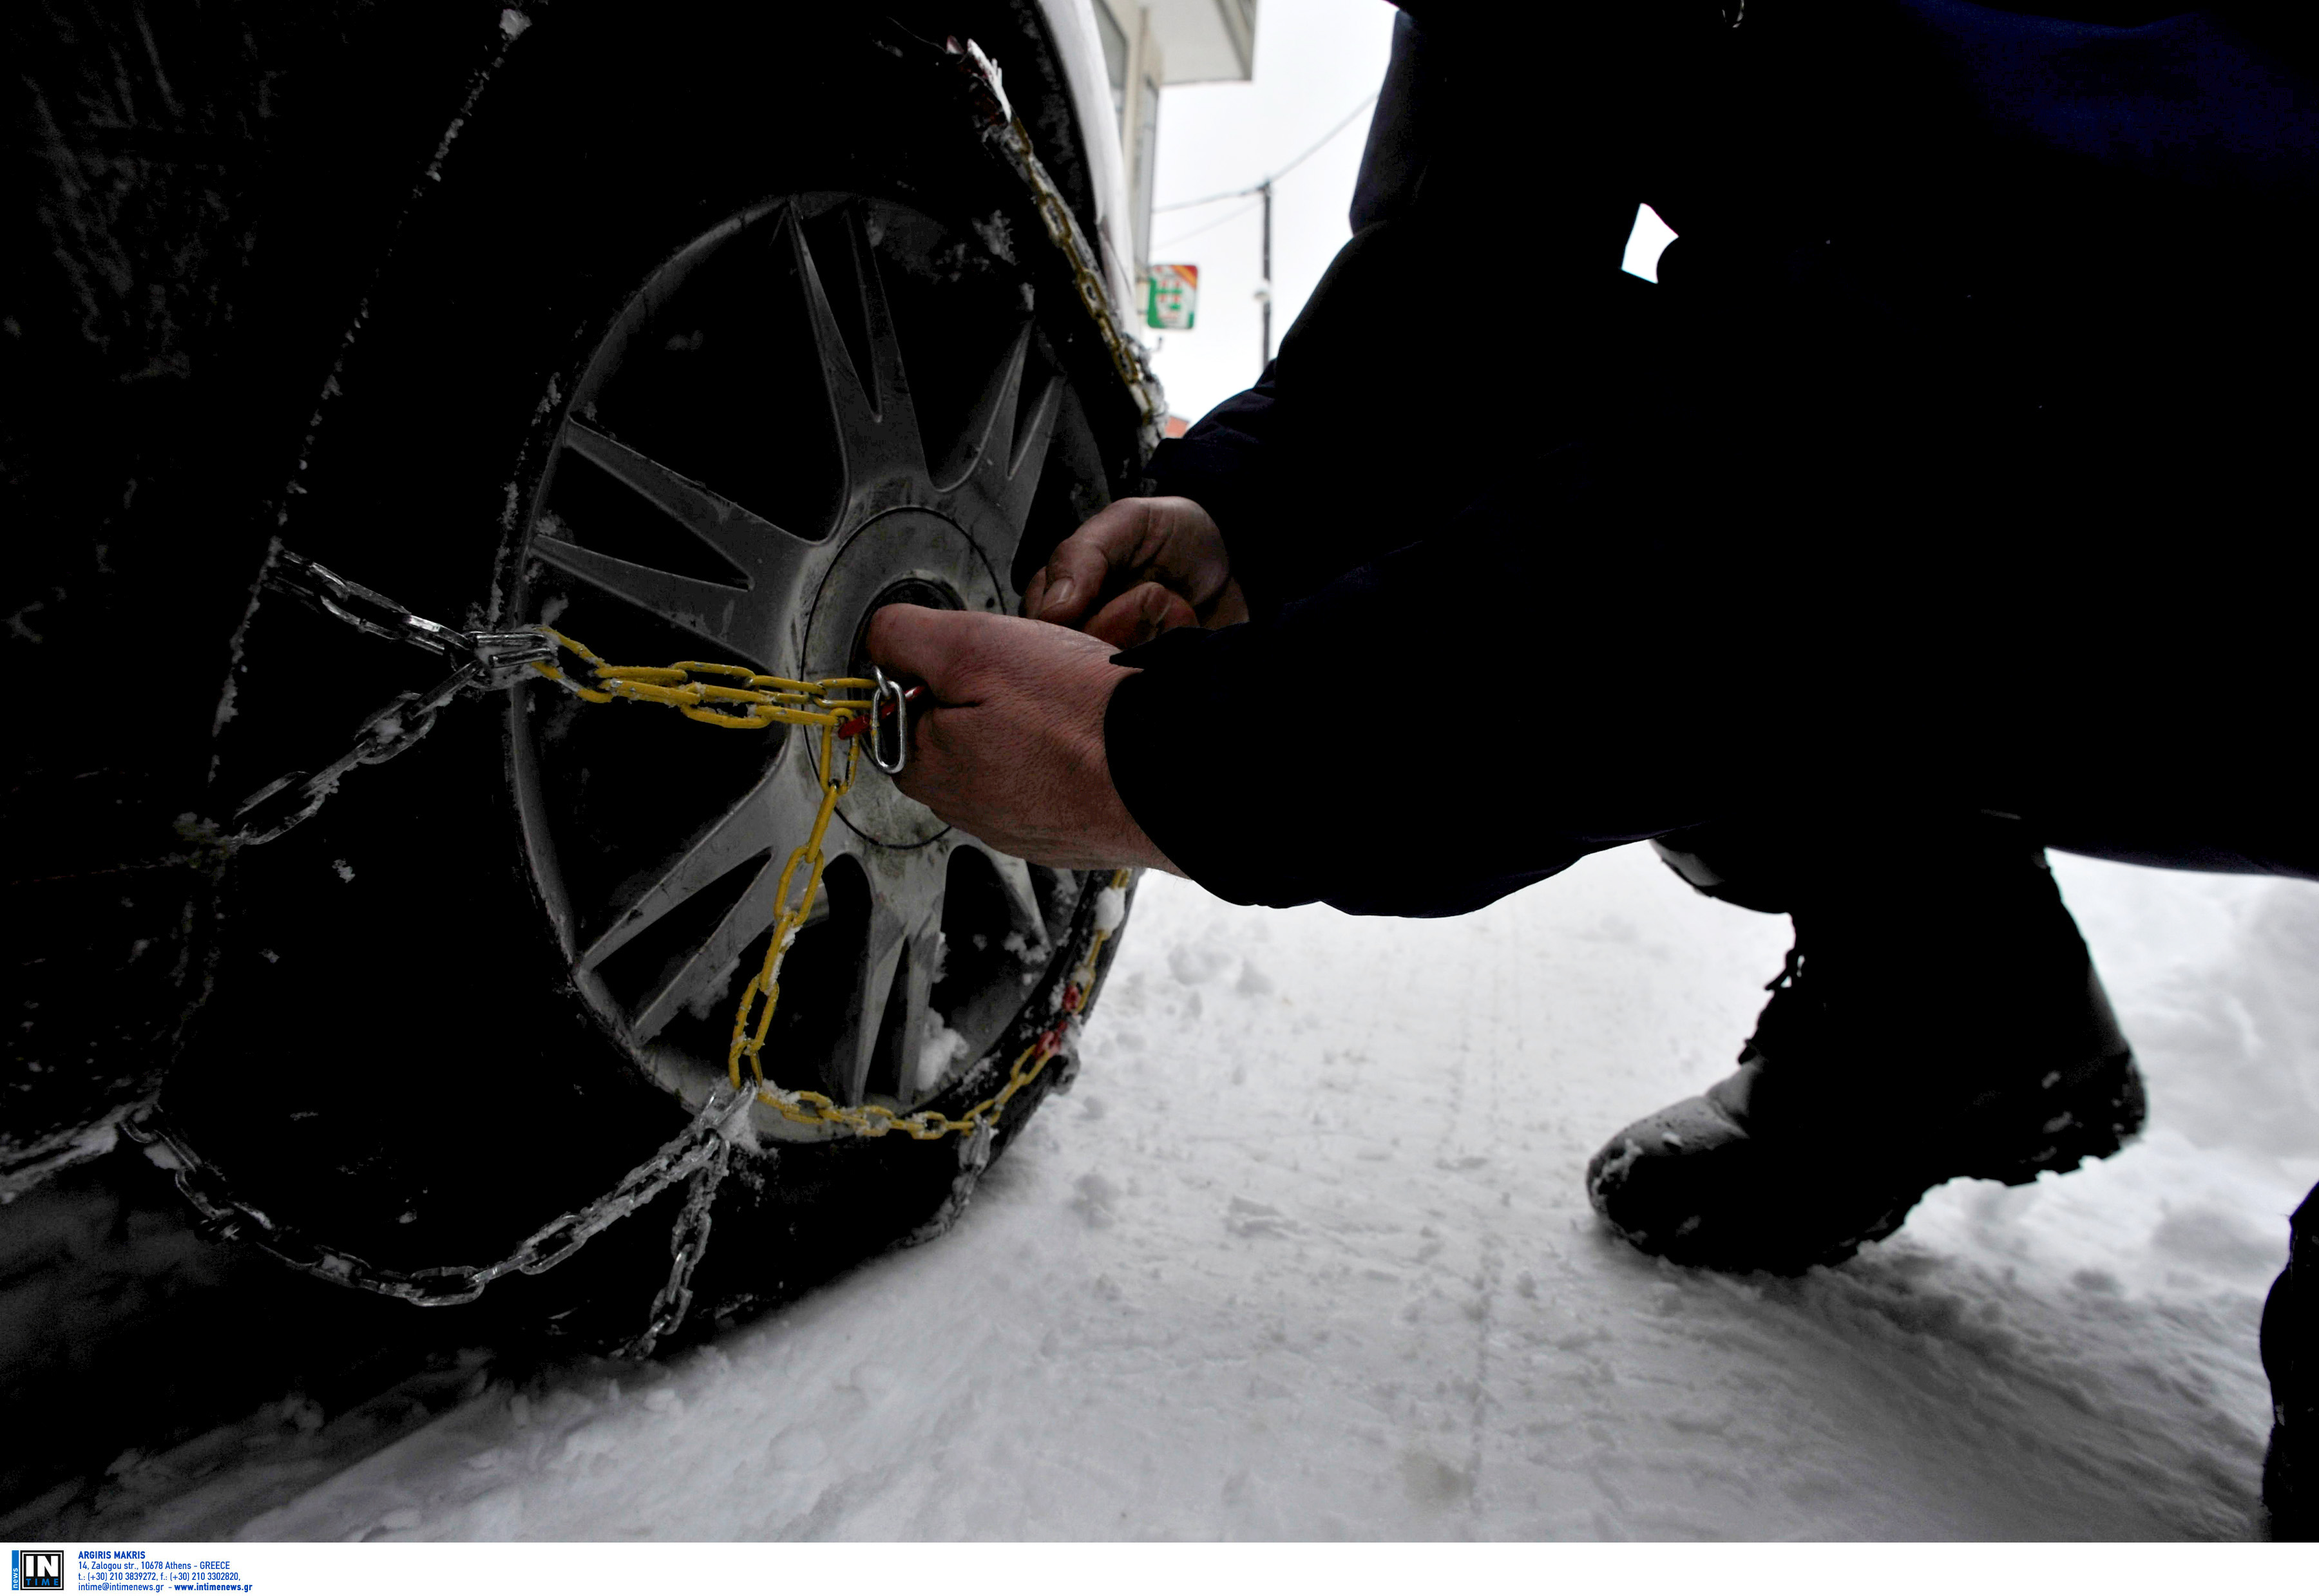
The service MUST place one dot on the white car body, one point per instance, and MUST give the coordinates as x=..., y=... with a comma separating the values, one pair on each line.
x=1072, y=24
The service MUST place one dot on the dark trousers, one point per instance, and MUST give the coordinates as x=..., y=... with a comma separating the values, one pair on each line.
x=2290, y=1356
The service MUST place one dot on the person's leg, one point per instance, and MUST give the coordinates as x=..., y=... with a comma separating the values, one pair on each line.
x=1938, y=1017
x=2290, y=1356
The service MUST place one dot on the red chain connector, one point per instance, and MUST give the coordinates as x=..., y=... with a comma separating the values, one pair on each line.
x=860, y=723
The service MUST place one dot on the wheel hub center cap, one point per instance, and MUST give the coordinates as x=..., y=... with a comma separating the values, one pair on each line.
x=908, y=555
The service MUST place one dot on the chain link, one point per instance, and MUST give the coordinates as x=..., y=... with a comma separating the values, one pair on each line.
x=366, y=609
x=1003, y=128
x=732, y=697
x=740, y=699
x=700, y=1147
x=688, y=1242
x=487, y=661
x=769, y=701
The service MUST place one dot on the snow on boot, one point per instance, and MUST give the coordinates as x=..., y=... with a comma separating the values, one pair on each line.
x=1914, y=1036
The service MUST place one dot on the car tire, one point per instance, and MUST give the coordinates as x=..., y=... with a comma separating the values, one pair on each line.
x=406, y=1064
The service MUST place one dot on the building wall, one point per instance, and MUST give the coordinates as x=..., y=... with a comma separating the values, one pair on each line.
x=1208, y=41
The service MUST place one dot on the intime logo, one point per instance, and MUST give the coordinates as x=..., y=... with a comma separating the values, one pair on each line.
x=36, y=1570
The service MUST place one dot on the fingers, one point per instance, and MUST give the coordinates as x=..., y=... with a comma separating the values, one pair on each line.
x=1067, y=589
x=1229, y=607
x=962, y=654
x=930, y=645
x=1013, y=751
x=1139, y=614
x=1170, y=541
x=926, y=774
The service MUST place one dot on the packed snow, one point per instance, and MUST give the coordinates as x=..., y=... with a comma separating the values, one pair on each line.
x=1307, y=1254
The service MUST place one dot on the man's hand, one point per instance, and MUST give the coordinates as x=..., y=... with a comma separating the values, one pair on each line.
x=1139, y=568
x=1011, y=749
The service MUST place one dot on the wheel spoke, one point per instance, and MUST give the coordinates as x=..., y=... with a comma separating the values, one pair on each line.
x=988, y=445
x=882, y=954
x=1015, y=881
x=1026, y=462
x=764, y=551
x=725, y=616
x=774, y=817
x=876, y=424
x=786, y=801
x=708, y=972
x=897, y=966
x=912, y=992
x=1004, y=463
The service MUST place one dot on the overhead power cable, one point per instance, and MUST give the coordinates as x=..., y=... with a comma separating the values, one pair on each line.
x=1256, y=187
x=1209, y=226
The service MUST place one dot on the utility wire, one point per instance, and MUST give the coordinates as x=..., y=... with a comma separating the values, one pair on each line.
x=1292, y=165
x=1208, y=226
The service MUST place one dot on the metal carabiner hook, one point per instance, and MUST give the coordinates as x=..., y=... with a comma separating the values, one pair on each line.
x=889, y=689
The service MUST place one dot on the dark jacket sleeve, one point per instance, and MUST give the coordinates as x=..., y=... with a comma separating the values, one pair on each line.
x=1224, y=465
x=1390, y=746
x=1393, y=160
x=1384, y=347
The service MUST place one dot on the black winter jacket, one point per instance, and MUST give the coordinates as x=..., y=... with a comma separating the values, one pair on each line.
x=1960, y=457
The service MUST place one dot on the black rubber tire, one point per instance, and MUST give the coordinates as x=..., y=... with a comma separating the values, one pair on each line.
x=391, y=1060
x=191, y=224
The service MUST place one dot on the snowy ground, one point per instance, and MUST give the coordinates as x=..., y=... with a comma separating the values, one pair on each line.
x=1305, y=1255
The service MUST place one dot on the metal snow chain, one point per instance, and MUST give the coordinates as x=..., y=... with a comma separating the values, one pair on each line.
x=698, y=1153
x=1003, y=128
x=736, y=698
x=486, y=662
x=746, y=700
x=687, y=1242
x=773, y=701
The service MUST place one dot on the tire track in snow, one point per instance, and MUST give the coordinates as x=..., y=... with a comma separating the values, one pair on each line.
x=1087, y=1357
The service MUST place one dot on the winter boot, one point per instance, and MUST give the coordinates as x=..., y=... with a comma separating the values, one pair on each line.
x=2290, y=1356
x=1946, y=1025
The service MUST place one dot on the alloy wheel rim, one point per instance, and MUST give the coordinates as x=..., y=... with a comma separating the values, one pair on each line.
x=927, y=941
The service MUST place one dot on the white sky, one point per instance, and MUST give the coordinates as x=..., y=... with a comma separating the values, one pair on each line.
x=1315, y=60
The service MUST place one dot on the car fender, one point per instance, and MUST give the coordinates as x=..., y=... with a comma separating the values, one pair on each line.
x=1079, y=51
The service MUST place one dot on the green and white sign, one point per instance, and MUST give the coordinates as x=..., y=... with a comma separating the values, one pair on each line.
x=1172, y=297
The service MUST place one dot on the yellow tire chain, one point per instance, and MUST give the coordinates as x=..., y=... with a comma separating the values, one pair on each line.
x=747, y=700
